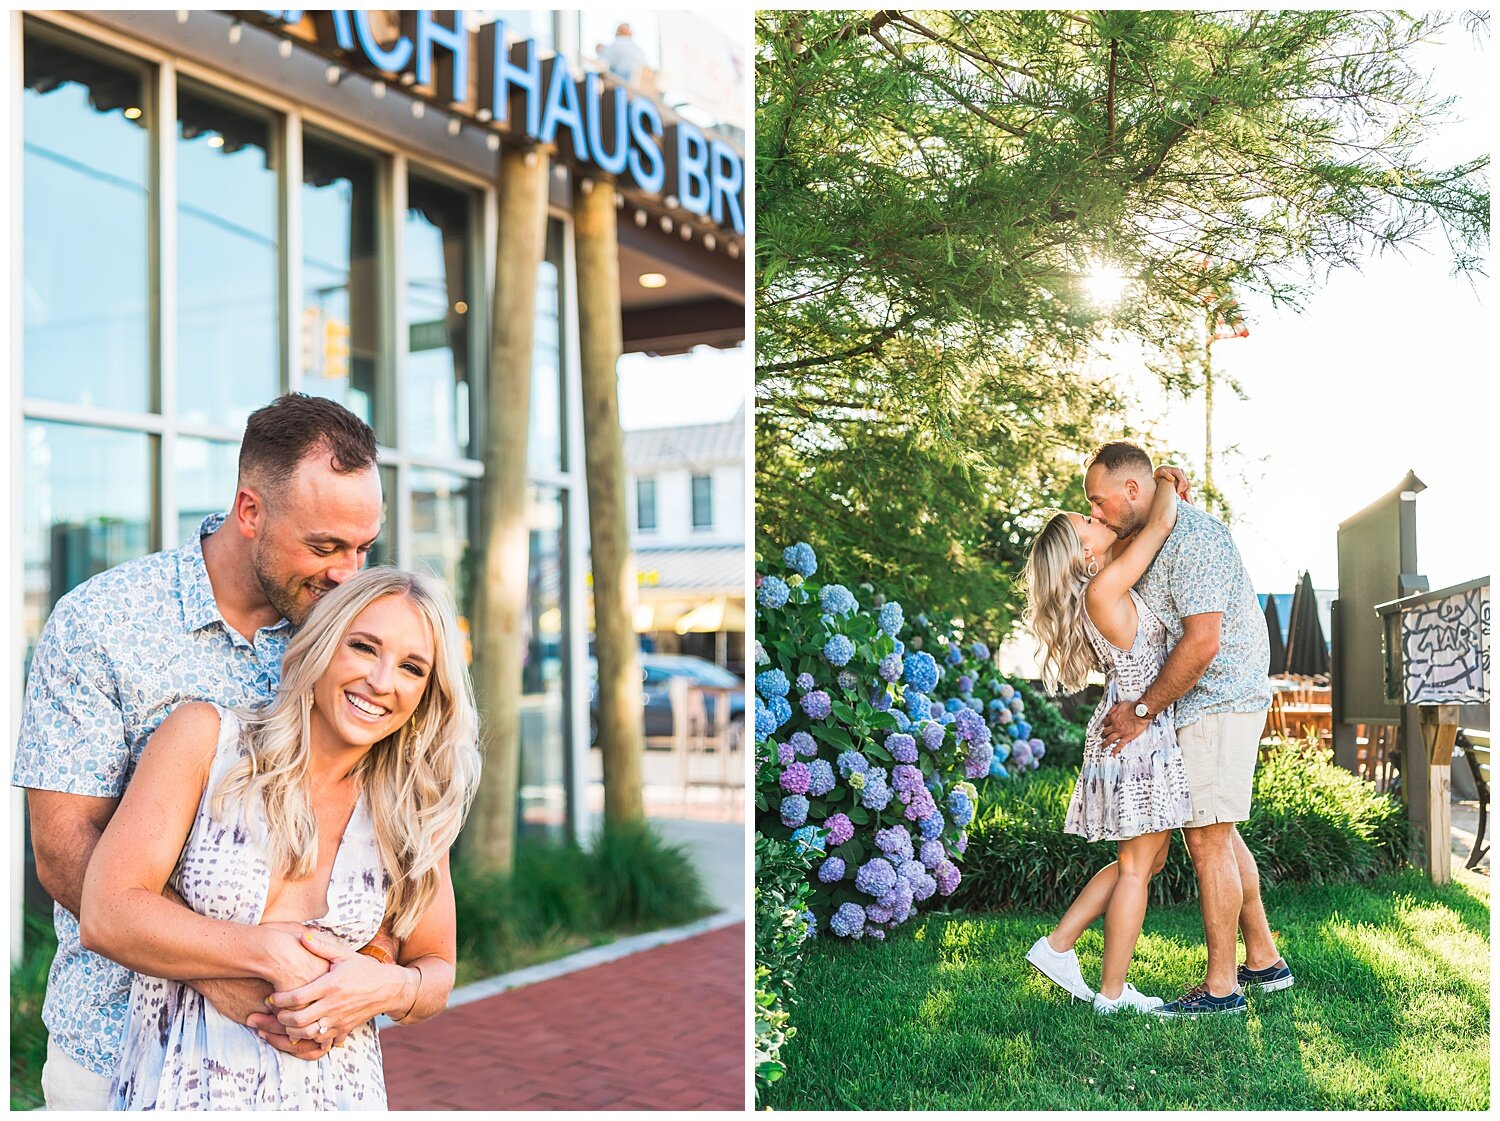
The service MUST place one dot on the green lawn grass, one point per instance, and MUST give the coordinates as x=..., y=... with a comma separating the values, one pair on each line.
x=1390, y=1011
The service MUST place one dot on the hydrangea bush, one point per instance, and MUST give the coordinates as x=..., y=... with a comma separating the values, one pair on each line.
x=856, y=763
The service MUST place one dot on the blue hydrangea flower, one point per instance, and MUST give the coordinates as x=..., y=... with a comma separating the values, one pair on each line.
x=808, y=839
x=838, y=650
x=980, y=651
x=955, y=655
x=902, y=747
x=800, y=558
x=953, y=704
x=889, y=667
x=933, y=735
x=891, y=618
x=965, y=685
x=851, y=761
x=880, y=700
x=781, y=709
x=997, y=767
x=765, y=722
x=772, y=683
x=822, y=780
x=1001, y=751
x=1007, y=691
x=877, y=793
x=875, y=877
x=921, y=671
x=894, y=841
x=932, y=827
x=806, y=746
x=761, y=657
x=903, y=723
x=772, y=592
x=917, y=706
x=793, y=810
x=812, y=925
x=848, y=921
x=996, y=704
x=817, y=704
x=961, y=809
x=831, y=869
x=805, y=682
x=1023, y=730
x=837, y=600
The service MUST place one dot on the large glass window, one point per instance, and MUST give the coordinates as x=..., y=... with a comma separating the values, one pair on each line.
x=228, y=306
x=703, y=501
x=441, y=529
x=206, y=473
x=88, y=507
x=645, y=504
x=544, y=731
x=384, y=549
x=544, y=442
x=340, y=328
x=87, y=197
x=439, y=260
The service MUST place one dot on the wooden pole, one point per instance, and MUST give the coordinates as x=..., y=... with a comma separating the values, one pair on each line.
x=621, y=716
x=503, y=550
x=1439, y=731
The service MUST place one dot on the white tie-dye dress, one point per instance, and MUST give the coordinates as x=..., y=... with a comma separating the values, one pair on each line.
x=179, y=1052
x=1143, y=789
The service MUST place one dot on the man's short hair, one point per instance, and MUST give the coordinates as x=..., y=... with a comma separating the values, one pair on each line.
x=279, y=436
x=1119, y=454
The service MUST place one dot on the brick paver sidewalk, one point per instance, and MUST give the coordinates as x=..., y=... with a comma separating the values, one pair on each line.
x=660, y=1029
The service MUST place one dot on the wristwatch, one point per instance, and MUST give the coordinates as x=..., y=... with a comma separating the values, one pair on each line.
x=1141, y=710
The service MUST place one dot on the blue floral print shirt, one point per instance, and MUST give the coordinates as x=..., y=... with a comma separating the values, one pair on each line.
x=1199, y=571
x=118, y=653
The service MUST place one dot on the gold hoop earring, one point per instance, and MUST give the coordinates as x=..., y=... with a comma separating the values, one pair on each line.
x=413, y=743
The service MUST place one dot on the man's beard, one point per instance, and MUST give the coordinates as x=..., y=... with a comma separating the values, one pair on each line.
x=1129, y=524
x=284, y=597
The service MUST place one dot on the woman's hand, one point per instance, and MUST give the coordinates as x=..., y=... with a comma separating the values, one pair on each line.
x=354, y=990
x=1177, y=479
x=293, y=963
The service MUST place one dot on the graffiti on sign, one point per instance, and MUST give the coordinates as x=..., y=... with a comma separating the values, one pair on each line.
x=1445, y=646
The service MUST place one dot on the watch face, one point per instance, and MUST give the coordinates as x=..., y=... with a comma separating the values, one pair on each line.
x=1142, y=711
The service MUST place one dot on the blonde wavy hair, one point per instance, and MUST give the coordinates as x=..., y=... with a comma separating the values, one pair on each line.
x=1055, y=579
x=416, y=806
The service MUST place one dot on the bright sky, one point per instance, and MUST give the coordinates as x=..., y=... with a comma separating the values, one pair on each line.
x=700, y=387
x=1387, y=370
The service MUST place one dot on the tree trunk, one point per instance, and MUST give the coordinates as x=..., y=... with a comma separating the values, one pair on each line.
x=620, y=710
x=503, y=559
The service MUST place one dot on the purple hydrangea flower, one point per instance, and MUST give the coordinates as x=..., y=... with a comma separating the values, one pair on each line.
x=877, y=792
x=876, y=933
x=905, y=777
x=932, y=853
x=848, y=921
x=924, y=889
x=793, y=810
x=890, y=667
x=795, y=778
x=880, y=700
x=894, y=841
x=919, y=804
x=920, y=671
x=847, y=681
x=898, y=901
x=850, y=761
x=820, y=777
x=931, y=827
x=837, y=600
x=785, y=753
x=831, y=869
x=965, y=685
x=805, y=682
x=947, y=876
x=800, y=559
x=966, y=723
x=1038, y=749
x=817, y=704
x=933, y=735
x=806, y=746
x=902, y=747
x=840, y=829
x=838, y=650
x=773, y=592
x=962, y=844
x=875, y=877
x=911, y=870
x=877, y=912
x=891, y=618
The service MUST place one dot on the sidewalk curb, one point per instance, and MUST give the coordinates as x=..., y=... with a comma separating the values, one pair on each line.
x=583, y=959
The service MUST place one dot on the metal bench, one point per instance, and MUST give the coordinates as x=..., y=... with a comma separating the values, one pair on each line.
x=1476, y=747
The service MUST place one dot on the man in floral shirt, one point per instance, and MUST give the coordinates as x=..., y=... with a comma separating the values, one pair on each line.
x=1216, y=677
x=207, y=621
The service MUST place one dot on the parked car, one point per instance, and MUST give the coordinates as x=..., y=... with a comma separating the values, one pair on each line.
x=657, y=671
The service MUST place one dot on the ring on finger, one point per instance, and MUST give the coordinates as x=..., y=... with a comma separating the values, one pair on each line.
x=322, y=1028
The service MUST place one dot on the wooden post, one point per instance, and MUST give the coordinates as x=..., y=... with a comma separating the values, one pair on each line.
x=503, y=554
x=596, y=249
x=1439, y=730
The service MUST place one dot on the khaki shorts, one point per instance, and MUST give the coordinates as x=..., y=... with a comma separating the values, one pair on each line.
x=67, y=1084
x=1219, y=753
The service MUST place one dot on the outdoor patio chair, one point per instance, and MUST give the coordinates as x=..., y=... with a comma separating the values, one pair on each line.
x=1377, y=753
x=1476, y=748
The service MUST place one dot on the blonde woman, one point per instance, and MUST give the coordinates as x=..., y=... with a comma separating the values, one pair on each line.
x=293, y=833
x=1086, y=615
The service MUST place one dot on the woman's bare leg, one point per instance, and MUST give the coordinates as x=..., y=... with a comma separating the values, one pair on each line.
x=1140, y=857
x=1089, y=905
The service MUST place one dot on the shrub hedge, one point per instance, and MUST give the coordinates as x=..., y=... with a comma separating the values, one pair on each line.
x=1311, y=822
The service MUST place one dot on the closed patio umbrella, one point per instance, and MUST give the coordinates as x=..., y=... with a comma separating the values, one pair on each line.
x=1273, y=631
x=1306, y=649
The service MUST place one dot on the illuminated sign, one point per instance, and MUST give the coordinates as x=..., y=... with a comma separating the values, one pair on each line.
x=592, y=121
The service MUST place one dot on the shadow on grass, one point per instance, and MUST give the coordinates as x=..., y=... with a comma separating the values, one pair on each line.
x=1390, y=1011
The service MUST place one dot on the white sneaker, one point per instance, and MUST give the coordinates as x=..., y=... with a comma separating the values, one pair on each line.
x=1128, y=998
x=1059, y=968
